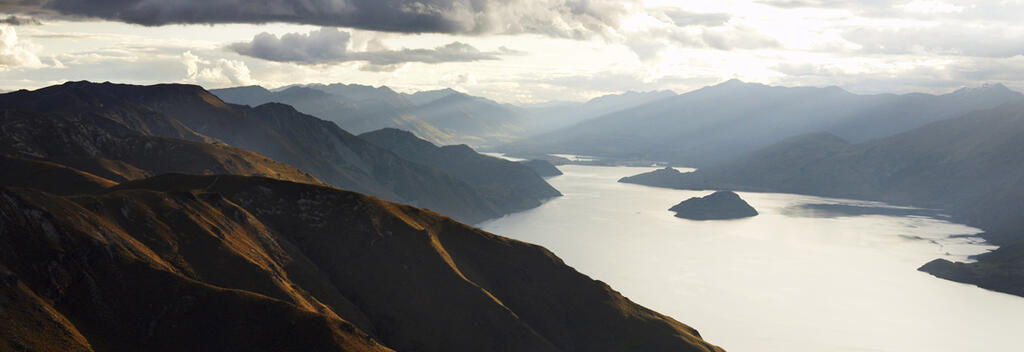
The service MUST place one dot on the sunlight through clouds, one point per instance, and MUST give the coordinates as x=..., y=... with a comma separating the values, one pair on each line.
x=654, y=44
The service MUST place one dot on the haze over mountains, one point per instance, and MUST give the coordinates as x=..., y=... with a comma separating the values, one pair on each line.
x=441, y=117
x=721, y=122
x=971, y=166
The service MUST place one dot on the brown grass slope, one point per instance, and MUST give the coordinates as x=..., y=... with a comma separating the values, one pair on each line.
x=106, y=148
x=47, y=176
x=427, y=283
x=213, y=263
x=112, y=274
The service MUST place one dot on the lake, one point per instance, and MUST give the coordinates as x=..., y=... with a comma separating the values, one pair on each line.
x=784, y=280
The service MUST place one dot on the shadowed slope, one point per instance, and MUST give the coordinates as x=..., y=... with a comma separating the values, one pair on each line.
x=277, y=131
x=449, y=286
x=507, y=185
x=128, y=283
x=103, y=147
x=50, y=177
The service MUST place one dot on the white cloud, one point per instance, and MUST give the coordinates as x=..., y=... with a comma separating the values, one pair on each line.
x=215, y=73
x=14, y=53
x=930, y=6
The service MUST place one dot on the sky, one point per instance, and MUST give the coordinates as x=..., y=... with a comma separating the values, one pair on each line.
x=516, y=51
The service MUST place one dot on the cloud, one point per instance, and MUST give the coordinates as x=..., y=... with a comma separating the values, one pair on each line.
x=559, y=18
x=20, y=21
x=683, y=18
x=331, y=46
x=216, y=73
x=13, y=53
x=458, y=80
x=828, y=4
x=969, y=40
x=326, y=45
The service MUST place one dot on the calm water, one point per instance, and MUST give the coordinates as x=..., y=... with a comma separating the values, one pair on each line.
x=778, y=281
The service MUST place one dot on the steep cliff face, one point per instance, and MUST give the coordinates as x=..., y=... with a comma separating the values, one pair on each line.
x=188, y=262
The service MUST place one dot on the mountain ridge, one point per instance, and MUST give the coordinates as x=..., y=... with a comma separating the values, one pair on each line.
x=304, y=262
x=717, y=123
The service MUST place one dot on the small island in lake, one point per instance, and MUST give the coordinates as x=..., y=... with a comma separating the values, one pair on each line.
x=721, y=205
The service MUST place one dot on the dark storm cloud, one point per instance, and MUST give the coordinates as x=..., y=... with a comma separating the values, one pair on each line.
x=20, y=21
x=330, y=45
x=560, y=18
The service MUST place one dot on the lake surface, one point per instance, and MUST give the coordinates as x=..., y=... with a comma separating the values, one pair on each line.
x=781, y=281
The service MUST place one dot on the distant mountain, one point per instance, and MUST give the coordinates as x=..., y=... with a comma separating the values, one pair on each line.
x=355, y=108
x=549, y=117
x=543, y=168
x=188, y=262
x=508, y=185
x=442, y=117
x=425, y=97
x=971, y=166
x=277, y=131
x=473, y=120
x=715, y=124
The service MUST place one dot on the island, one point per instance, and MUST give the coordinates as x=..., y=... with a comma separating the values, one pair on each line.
x=721, y=205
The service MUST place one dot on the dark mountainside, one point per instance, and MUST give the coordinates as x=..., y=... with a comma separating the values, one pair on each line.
x=107, y=148
x=543, y=168
x=721, y=205
x=190, y=262
x=719, y=123
x=319, y=147
x=507, y=185
x=972, y=167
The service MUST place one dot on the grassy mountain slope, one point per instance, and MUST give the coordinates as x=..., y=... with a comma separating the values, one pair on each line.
x=172, y=262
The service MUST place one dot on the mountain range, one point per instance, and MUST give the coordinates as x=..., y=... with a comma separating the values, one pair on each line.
x=718, y=123
x=183, y=114
x=442, y=117
x=160, y=218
